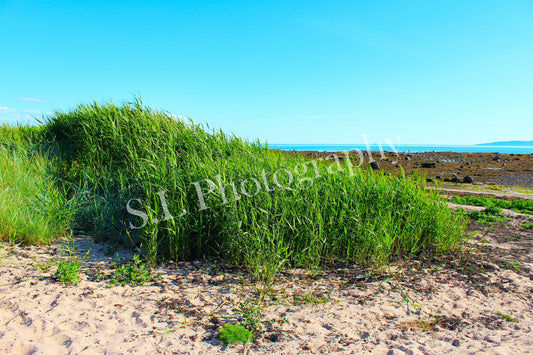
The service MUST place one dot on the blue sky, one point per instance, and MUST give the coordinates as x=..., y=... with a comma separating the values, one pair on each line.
x=438, y=72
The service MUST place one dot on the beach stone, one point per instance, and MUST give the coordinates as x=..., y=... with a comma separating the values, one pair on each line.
x=468, y=179
x=429, y=165
x=456, y=342
x=374, y=165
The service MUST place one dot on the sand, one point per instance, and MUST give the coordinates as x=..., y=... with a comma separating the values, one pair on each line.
x=387, y=312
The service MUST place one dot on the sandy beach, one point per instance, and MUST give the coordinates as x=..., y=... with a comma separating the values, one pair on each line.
x=460, y=304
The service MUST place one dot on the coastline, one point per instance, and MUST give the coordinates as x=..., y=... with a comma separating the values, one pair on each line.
x=514, y=170
x=407, y=148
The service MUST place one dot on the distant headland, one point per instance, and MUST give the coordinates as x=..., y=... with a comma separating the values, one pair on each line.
x=511, y=143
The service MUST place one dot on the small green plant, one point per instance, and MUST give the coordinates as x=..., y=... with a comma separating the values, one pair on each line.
x=251, y=314
x=309, y=298
x=514, y=265
x=507, y=317
x=235, y=333
x=280, y=321
x=68, y=269
x=526, y=225
x=134, y=273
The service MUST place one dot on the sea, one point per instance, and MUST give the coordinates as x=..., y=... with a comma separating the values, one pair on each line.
x=407, y=148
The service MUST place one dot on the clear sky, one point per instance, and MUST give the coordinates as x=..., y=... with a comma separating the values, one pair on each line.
x=439, y=72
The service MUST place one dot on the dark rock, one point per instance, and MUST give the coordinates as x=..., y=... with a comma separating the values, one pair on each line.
x=407, y=158
x=496, y=158
x=429, y=165
x=456, y=343
x=429, y=180
x=374, y=165
x=468, y=179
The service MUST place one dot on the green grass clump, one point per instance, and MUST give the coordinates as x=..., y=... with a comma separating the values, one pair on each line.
x=33, y=210
x=491, y=214
x=235, y=333
x=134, y=273
x=518, y=205
x=193, y=193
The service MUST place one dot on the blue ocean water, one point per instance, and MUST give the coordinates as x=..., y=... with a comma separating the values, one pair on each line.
x=407, y=148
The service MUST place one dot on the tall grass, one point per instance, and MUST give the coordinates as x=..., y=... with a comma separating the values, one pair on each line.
x=304, y=213
x=112, y=154
x=32, y=209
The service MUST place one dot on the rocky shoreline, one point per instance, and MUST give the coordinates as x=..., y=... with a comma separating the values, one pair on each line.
x=470, y=168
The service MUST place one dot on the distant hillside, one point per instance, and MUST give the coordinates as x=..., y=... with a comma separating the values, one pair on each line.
x=511, y=143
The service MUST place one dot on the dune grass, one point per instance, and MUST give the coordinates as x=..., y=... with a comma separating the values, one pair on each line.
x=32, y=209
x=176, y=191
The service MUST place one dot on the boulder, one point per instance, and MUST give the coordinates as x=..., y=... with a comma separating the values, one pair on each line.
x=429, y=165
x=468, y=179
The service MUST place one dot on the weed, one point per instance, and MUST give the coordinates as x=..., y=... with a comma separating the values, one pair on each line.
x=526, y=225
x=68, y=269
x=513, y=265
x=134, y=273
x=251, y=314
x=507, y=317
x=309, y=298
x=235, y=333
x=281, y=320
